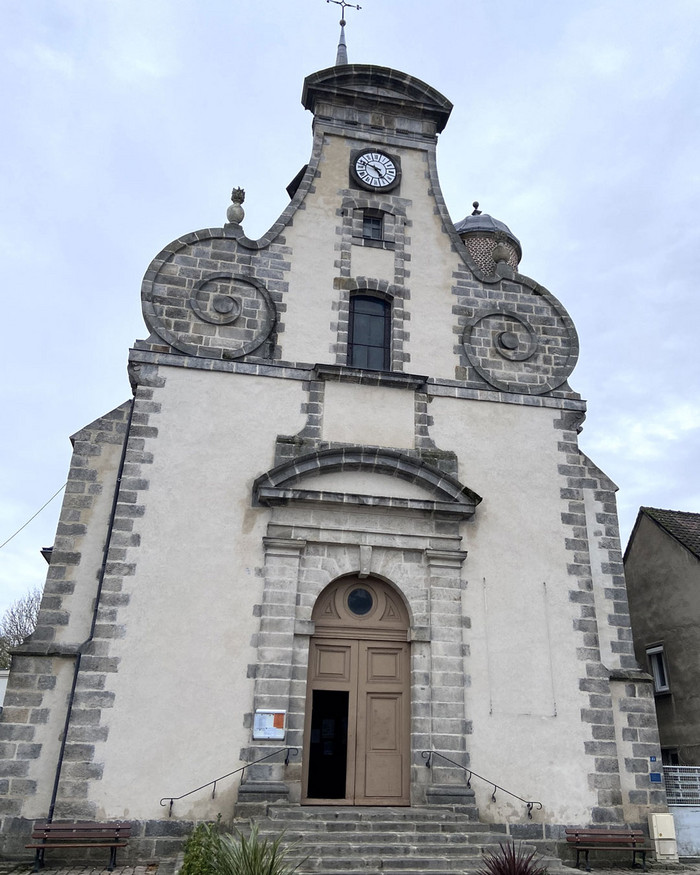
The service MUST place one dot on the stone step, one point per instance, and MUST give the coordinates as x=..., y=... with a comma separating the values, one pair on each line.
x=443, y=840
x=392, y=850
x=377, y=827
x=394, y=815
x=364, y=841
x=374, y=863
x=423, y=870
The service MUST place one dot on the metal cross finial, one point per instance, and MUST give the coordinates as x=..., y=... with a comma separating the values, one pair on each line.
x=343, y=4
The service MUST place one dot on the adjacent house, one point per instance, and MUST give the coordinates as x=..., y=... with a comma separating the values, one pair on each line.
x=662, y=567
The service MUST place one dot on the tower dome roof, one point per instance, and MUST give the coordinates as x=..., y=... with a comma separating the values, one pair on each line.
x=489, y=240
x=482, y=222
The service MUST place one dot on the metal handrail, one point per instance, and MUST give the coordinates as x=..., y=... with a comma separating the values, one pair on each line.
x=429, y=754
x=289, y=751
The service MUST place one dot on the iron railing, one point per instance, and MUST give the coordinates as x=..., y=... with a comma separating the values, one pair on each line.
x=682, y=785
x=429, y=754
x=169, y=800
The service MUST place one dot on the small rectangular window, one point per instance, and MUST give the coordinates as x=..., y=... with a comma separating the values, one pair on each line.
x=657, y=666
x=372, y=227
x=670, y=757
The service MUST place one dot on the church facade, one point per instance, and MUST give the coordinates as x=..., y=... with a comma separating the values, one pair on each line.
x=345, y=513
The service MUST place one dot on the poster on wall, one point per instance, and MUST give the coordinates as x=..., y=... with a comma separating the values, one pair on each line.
x=269, y=724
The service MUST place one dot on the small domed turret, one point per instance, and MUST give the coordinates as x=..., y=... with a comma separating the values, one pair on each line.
x=489, y=241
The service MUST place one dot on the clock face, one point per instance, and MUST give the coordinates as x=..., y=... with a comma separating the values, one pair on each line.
x=376, y=170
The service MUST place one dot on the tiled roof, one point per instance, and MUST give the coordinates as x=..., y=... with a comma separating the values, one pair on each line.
x=683, y=526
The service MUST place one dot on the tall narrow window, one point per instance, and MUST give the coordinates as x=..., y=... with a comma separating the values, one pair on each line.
x=370, y=333
x=657, y=664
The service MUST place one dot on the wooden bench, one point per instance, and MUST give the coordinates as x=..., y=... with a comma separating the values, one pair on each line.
x=586, y=840
x=79, y=835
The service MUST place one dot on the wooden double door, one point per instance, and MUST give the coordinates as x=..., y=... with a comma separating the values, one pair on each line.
x=357, y=740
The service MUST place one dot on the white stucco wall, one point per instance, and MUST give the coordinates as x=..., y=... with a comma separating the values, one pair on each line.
x=181, y=690
x=375, y=263
x=372, y=415
x=524, y=700
x=432, y=265
x=308, y=336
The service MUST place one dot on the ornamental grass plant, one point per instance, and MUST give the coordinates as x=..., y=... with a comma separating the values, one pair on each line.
x=239, y=855
x=208, y=851
x=512, y=860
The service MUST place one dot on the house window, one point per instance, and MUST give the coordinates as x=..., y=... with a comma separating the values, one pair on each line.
x=369, y=335
x=657, y=665
x=372, y=226
x=670, y=756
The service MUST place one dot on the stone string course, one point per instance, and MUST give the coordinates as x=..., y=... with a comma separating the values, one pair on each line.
x=142, y=357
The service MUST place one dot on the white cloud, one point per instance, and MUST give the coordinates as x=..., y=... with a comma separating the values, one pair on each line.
x=650, y=437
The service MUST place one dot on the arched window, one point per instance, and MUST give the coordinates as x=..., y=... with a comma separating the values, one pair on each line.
x=369, y=338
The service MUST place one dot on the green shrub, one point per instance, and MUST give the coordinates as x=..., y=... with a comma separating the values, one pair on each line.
x=202, y=850
x=510, y=860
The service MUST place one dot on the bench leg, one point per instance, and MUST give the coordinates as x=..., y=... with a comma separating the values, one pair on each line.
x=112, y=859
x=635, y=865
x=38, y=859
x=579, y=851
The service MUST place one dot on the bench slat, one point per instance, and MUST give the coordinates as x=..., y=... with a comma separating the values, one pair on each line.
x=613, y=839
x=79, y=845
x=595, y=833
x=67, y=836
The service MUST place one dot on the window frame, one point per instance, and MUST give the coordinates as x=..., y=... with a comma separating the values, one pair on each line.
x=373, y=219
x=354, y=344
x=658, y=668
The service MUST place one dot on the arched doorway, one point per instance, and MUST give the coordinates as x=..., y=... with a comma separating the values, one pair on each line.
x=356, y=731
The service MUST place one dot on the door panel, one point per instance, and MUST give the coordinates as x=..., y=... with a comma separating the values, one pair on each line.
x=332, y=663
x=382, y=725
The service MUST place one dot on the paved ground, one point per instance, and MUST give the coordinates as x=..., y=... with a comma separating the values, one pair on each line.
x=14, y=868
x=167, y=868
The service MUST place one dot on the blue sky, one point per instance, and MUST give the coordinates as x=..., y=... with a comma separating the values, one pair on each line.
x=126, y=124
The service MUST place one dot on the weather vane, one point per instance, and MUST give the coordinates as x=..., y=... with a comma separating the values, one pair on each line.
x=343, y=4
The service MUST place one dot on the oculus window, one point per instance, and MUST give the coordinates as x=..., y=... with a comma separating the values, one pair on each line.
x=370, y=333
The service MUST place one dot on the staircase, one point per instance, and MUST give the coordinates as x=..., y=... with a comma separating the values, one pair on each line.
x=359, y=841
